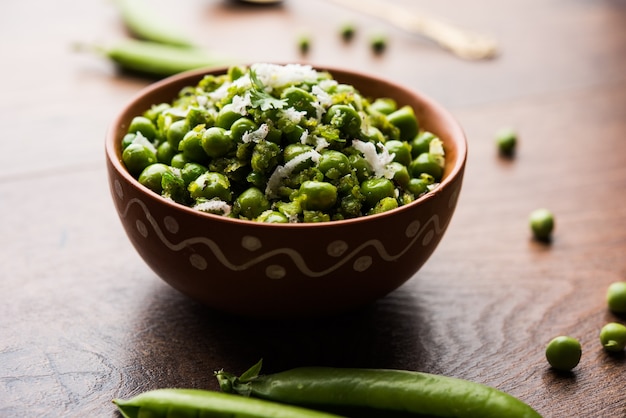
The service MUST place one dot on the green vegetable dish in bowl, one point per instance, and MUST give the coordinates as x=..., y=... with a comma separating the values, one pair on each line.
x=270, y=189
x=274, y=143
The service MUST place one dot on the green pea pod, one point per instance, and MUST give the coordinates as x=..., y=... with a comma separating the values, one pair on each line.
x=142, y=21
x=379, y=390
x=195, y=402
x=157, y=59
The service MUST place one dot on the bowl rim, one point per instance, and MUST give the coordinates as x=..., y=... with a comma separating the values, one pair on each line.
x=456, y=131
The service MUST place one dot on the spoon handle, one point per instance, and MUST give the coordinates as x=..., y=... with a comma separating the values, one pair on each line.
x=465, y=44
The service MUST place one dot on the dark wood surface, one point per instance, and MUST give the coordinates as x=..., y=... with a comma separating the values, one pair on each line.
x=83, y=320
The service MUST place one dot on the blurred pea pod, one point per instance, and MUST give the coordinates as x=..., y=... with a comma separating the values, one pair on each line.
x=155, y=59
x=144, y=23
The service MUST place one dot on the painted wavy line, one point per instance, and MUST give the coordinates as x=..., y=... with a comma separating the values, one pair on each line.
x=295, y=256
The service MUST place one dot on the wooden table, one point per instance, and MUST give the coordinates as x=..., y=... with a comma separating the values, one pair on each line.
x=83, y=320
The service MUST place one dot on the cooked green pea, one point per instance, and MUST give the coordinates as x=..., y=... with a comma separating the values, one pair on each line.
x=343, y=117
x=304, y=43
x=152, y=176
x=143, y=125
x=426, y=163
x=384, y=106
x=136, y=157
x=179, y=160
x=419, y=186
x=541, y=223
x=251, y=203
x=373, y=134
x=506, y=140
x=291, y=151
x=211, y=185
x=265, y=156
x=293, y=134
x=405, y=120
x=613, y=337
x=385, y=204
x=318, y=195
x=272, y=217
x=563, y=353
x=176, y=132
x=227, y=116
x=300, y=99
x=217, y=142
x=421, y=143
x=191, y=146
x=334, y=164
x=347, y=31
x=362, y=168
x=400, y=174
x=616, y=297
x=376, y=189
x=165, y=153
x=191, y=171
x=240, y=127
x=401, y=149
x=128, y=139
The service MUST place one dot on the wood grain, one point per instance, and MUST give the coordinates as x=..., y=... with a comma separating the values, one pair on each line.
x=83, y=320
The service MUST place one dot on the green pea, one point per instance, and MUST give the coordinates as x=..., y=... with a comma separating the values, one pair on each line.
x=227, y=116
x=384, y=106
x=419, y=186
x=240, y=127
x=376, y=189
x=304, y=43
x=563, y=353
x=385, y=204
x=401, y=149
x=421, y=143
x=293, y=134
x=405, y=120
x=291, y=151
x=143, y=125
x=179, y=160
x=251, y=203
x=300, y=99
x=211, y=185
x=176, y=132
x=265, y=156
x=191, y=171
x=616, y=297
x=613, y=337
x=136, y=157
x=378, y=42
x=272, y=217
x=165, y=153
x=152, y=176
x=127, y=140
x=217, y=142
x=541, y=223
x=506, y=140
x=191, y=146
x=362, y=168
x=317, y=195
x=426, y=163
x=334, y=164
x=347, y=31
x=345, y=118
x=400, y=174
x=373, y=134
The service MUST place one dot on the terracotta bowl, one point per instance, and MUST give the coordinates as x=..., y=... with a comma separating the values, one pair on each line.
x=285, y=270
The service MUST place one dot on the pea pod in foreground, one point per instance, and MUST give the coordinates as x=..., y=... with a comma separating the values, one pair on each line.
x=399, y=391
x=207, y=404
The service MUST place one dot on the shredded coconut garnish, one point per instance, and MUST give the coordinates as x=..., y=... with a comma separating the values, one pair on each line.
x=241, y=104
x=284, y=171
x=378, y=162
x=293, y=115
x=142, y=140
x=276, y=76
x=214, y=206
x=257, y=135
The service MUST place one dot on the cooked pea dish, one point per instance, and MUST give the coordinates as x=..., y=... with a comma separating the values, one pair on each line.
x=282, y=143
